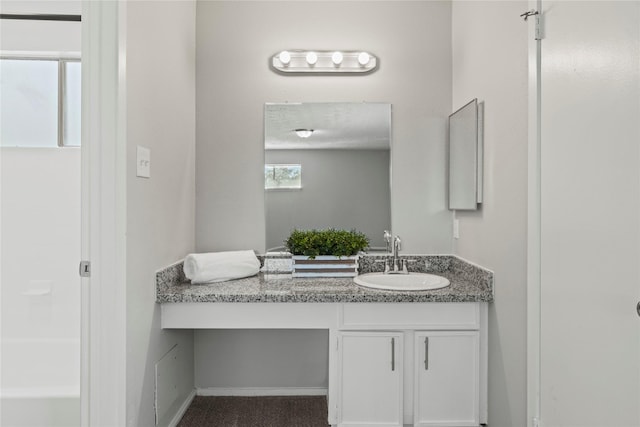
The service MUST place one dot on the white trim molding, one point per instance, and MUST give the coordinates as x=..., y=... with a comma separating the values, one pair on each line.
x=104, y=214
x=533, y=225
x=183, y=408
x=262, y=391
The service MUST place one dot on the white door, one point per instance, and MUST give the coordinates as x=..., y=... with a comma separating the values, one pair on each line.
x=370, y=375
x=447, y=378
x=590, y=214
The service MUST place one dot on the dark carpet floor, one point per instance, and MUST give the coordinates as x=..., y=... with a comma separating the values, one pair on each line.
x=260, y=411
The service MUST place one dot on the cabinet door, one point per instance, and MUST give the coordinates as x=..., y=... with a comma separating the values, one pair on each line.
x=370, y=372
x=447, y=378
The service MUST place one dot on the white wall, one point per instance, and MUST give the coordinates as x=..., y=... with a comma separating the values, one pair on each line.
x=40, y=36
x=490, y=63
x=261, y=358
x=234, y=43
x=160, y=83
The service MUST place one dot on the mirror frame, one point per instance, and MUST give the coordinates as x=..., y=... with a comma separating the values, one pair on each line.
x=466, y=156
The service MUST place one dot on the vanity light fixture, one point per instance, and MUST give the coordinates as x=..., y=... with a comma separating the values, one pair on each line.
x=304, y=133
x=324, y=61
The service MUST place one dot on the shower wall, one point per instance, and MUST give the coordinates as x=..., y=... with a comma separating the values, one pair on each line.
x=40, y=190
x=40, y=287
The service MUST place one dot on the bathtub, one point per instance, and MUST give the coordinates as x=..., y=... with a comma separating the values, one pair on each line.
x=40, y=383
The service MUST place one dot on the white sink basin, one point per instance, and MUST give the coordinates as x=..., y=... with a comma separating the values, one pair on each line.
x=402, y=282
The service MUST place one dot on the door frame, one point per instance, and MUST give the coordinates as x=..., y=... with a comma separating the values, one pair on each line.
x=533, y=223
x=103, y=192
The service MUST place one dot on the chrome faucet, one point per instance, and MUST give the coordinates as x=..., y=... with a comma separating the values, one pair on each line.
x=398, y=266
x=393, y=265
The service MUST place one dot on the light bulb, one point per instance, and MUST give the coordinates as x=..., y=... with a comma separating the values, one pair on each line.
x=304, y=133
x=336, y=58
x=284, y=57
x=363, y=58
x=312, y=58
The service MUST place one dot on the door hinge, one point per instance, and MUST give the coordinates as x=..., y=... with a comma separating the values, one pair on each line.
x=85, y=269
x=538, y=35
x=538, y=21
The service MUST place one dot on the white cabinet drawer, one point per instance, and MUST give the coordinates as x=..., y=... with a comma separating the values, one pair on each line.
x=431, y=315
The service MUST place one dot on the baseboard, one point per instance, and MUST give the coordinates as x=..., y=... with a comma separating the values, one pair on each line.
x=261, y=391
x=183, y=408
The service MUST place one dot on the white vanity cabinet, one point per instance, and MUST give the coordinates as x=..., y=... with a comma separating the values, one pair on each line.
x=447, y=378
x=380, y=371
x=370, y=378
x=411, y=364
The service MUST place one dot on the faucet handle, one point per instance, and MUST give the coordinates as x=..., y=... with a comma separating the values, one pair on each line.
x=403, y=263
x=386, y=263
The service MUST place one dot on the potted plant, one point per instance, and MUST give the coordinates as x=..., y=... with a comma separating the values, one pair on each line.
x=325, y=253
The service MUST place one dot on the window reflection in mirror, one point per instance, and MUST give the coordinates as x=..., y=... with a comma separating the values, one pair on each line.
x=346, y=168
x=282, y=177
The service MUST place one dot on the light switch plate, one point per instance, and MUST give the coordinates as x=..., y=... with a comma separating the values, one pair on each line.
x=143, y=162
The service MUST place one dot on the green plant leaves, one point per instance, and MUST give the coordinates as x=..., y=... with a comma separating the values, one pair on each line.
x=326, y=242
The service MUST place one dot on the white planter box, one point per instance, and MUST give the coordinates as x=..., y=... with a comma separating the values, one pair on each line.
x=325, y=266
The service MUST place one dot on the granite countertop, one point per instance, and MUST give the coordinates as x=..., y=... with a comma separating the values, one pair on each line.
x=469, y=283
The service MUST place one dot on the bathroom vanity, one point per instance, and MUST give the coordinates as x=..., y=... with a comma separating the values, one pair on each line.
x=395, y=358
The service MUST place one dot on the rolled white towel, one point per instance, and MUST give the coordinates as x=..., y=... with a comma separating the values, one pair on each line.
x=220, y=266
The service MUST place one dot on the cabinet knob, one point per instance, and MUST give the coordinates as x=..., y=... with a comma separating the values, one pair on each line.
x=638, y=308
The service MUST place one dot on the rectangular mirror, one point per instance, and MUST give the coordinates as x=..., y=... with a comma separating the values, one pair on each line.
x=327, y=165
x=465, y=157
